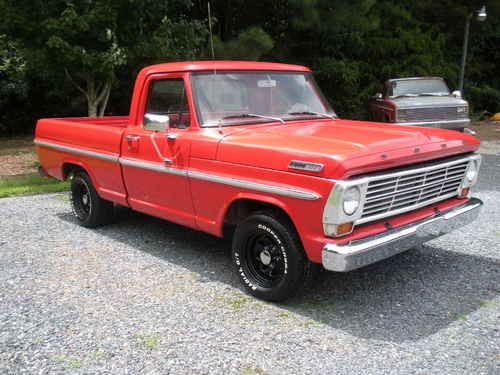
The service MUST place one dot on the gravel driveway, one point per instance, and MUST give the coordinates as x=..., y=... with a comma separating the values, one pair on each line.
x=147, y=296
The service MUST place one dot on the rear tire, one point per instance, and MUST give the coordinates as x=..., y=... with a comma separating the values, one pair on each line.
x=88, y=207
x=269, y=258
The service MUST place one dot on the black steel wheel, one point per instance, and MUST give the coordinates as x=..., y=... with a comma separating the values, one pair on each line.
x=268, y=257
x=90, y=209
x=266, y=260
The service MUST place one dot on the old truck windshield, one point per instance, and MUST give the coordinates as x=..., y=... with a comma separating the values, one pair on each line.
x=233, y=98
x=417, y=87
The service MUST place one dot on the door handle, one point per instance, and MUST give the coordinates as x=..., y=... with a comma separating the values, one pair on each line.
x=171, y=136
x=132, y=138
x=167, y=161
x=133, y=142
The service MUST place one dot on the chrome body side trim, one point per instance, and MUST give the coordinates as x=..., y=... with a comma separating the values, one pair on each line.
x=155, y=167
x=78, y=151
x=287, y=192
x=360, y=253
x=158, y=167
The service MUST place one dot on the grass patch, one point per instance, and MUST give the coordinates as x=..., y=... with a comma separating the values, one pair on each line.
x=30, y=184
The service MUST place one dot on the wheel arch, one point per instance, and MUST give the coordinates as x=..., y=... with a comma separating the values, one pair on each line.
x=71, y=166
x=244, y=205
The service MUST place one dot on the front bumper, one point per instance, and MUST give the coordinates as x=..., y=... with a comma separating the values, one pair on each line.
x=360, y=253
x=443, y=124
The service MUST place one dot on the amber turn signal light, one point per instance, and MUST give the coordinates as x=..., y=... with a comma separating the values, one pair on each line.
x=344, y=228
x=464, y=193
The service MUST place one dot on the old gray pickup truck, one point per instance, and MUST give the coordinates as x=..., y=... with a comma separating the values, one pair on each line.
x=422, y=101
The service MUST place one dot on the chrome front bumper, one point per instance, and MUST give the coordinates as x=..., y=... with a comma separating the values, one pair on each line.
x=360, y=253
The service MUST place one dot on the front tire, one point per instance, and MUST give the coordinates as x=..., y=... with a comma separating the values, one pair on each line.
x=269, y=259
x=88, y=207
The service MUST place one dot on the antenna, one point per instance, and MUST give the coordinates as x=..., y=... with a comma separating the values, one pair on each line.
x=210, y=29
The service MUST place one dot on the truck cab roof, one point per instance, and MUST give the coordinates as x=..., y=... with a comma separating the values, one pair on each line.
x=208, y=65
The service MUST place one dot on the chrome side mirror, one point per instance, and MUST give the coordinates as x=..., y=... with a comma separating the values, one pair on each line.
x=456, y=94
x=378, y=96
x=159, y=123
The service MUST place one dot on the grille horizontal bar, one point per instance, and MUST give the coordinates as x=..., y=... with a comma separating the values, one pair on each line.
x=431, y=114
x=386, y=194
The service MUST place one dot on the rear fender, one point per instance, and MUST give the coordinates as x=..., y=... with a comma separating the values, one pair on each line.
x=82, y=165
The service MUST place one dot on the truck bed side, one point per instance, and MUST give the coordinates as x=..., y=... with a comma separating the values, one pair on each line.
x=90, y=143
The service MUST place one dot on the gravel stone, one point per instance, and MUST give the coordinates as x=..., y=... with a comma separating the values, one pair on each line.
x=144, y=296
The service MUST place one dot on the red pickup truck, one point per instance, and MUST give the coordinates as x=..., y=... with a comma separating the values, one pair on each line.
x=255, y=147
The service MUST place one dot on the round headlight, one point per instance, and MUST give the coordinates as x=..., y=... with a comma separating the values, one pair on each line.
x=471, y=172
x=351, y=200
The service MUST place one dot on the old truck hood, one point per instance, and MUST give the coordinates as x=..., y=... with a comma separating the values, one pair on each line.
x=428, y=101
x=344, y=147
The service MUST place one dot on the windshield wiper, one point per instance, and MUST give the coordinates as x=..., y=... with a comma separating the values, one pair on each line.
x=244, y=115
x=332, y=116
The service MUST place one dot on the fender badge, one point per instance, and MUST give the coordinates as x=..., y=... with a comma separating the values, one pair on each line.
x=416, y=150
x=305, y=166
x=443, y=145
x=383, y=156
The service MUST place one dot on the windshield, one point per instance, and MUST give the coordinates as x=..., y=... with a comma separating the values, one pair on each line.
x=233, y=98
x=416, y=87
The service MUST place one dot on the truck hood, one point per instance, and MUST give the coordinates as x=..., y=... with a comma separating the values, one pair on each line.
x=428, y=101
x=344, y=147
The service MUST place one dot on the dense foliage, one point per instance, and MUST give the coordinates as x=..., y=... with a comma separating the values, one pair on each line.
x=80, y=57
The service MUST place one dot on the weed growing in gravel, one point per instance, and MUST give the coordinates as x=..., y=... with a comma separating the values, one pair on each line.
x=98, y=355
x=252, y=371
x=455, y=316
x=283, y=315
x=237, y=302
x=149, y=341
x=70, y=362
x=490, y=303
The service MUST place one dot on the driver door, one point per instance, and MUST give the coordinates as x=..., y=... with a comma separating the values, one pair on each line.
x=155, y=154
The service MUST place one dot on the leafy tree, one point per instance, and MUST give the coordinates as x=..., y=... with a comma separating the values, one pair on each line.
x=13, y=86
x=88, y=41
x=250, y=44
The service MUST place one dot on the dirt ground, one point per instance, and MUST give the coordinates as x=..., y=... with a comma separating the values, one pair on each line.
x=17, y=155
x=489, y=134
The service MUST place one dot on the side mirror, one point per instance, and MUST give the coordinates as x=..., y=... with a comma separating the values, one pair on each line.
x=378, y=96
x=159, y=123
x=456, y=94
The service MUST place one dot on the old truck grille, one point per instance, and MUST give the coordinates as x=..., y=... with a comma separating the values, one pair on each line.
x=432, y=114
x=392, y=194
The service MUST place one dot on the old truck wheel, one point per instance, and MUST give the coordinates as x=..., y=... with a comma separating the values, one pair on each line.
x=269, y=258
x=90, y=209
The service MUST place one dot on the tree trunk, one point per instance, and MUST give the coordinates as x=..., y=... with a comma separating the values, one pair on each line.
x=97, y=95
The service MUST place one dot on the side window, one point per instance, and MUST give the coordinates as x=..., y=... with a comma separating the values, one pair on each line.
x=168, y=97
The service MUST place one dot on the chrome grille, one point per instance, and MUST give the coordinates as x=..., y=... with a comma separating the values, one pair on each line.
x=388, y=194
x=432, y=114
